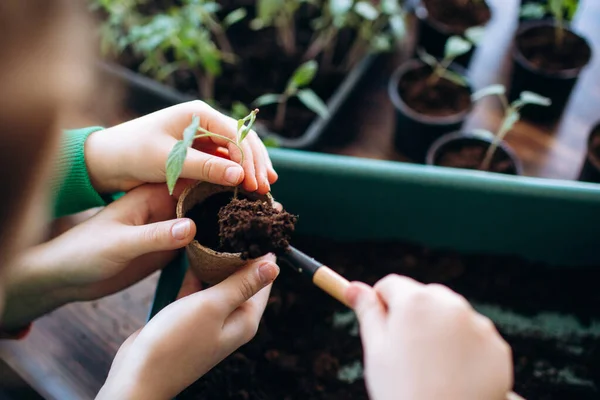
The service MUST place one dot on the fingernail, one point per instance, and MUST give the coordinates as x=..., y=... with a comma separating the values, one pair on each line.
x=268, y=272
x=233, y=175
x=181, y=230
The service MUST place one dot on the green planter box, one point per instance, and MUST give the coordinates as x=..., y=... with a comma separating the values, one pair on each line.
x=348, y=198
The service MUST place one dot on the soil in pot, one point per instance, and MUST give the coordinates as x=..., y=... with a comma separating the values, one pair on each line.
x=458, y=15
x=240, y=225
x=307, y=346
x=590, y=171
x=441, y=99
x=469, y=154
x=541, y=66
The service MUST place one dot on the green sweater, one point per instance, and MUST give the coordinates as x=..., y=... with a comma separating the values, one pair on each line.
x=71, y=186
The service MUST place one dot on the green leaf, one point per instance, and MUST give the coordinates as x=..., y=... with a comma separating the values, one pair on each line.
x=571, y=7
x=244, y=130
x=339, y=8
x=267, y=9
x=475, y=34
x=398, y=26
x=366, y=10
x=556, y=8
x=271, y=141
x=176, y=157
x=427, y=58
x=381, y=43
x=454, y=78
x=532, y=11
x=234, y=17
x=266, y=99
x=534, y=98
x=456, y=46
x=304, y=74
x=493, y=90
x=312, y=101
x=390, y=7
x=175, y=164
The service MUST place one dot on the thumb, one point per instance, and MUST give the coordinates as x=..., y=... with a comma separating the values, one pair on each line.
x=206, y=167
x=367, y=305
x=159, y=236
x=245, y=283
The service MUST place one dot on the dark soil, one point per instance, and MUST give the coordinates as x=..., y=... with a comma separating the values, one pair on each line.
x=458, y=15
x=443, y=99
x=307, y=339
x=539, y=47
x=254, y=228
x=262, y=67
x=469, y=154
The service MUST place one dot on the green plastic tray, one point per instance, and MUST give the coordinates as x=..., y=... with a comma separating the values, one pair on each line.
x=348, y=198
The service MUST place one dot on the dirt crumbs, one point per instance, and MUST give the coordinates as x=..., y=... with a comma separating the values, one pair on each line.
x=539, y=47
x=469, y=155
x=443, y=99
x=458, y=15
x=254, y=228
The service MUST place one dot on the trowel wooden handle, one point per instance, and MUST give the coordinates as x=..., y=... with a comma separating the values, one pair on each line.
x=322, y=276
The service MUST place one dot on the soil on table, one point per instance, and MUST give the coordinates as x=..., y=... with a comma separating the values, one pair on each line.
x=262, y=67
x=307, y=346
x=442, y=99
x=254, y=228
x=469, y=154
x=458, y=15
x=540, y=48
x=250, y=227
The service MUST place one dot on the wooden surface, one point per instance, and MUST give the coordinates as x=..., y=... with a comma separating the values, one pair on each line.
x=69, y=352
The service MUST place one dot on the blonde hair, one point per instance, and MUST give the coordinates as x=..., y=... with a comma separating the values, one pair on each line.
x=44, y=72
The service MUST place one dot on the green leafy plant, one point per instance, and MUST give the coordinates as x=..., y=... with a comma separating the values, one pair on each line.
x=455, y=46
x=118, y=18
x=281, y=15
x=511, y=114
x=296, y=87
x=176, y=157
x=561, y=10
x=182, y=38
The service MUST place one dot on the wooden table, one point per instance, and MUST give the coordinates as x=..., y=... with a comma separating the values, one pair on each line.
x=69, y=352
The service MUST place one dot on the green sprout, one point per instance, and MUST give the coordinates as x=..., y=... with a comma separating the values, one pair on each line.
x=176, y=157
x=561, y=10
x=455, y=46
x=296, y=87
x=512, y=114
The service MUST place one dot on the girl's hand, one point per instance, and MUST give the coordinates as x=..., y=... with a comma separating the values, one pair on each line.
x=135, y=152
x=189, y=337
x=122, y=244
x=427, y=342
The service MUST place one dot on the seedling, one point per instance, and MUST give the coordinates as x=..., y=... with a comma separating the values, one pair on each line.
x=511, y=114
x=120, y=17
x=455, y=46
x=296, y=87
x=561, y=10
x=185, y=36
x=279, y=14
x=176, y=157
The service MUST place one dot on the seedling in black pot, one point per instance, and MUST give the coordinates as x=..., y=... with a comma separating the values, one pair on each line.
x=480, y=149
x=548, y=58
x=438, y=20
x=431, y=98
x=295, y=88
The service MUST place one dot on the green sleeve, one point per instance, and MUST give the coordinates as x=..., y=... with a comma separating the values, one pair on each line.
x=71, y=187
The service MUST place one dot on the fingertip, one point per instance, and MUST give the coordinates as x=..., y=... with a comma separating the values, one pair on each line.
x=183, y=230
x=234, y=175
x=272, y=175
x=250, y=183
x=267, y=272
x=355, y=292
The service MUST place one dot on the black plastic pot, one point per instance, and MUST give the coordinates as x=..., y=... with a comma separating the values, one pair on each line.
x=145, y=95
x=590, y=171
x=456, y=140
x=556, y=85
x=432, y=35
x=415, y=132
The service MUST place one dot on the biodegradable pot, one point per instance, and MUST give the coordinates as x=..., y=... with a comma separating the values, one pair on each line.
x=531, y=71
x=590, y=171
x=415, y=131
x=434, y=33
x=460, y=150
x=208, y=264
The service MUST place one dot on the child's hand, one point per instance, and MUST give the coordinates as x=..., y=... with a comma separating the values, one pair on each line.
x=427, y=342
x=192, y=335
x=122, y=244
x=127, y=155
